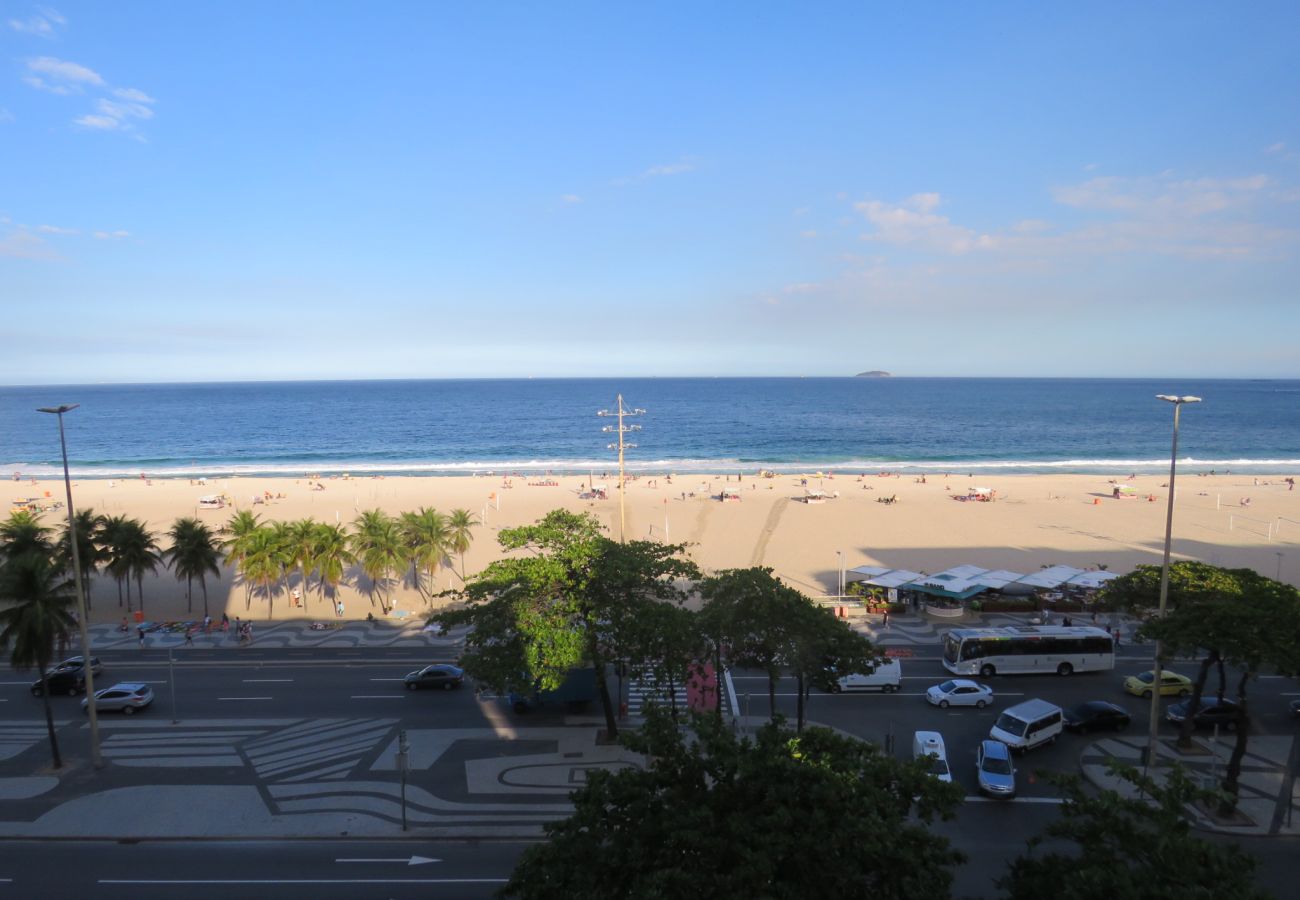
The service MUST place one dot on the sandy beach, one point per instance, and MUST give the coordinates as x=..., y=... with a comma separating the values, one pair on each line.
x=1034, y=521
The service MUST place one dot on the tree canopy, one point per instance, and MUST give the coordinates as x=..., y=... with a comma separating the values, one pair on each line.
x=781, y=815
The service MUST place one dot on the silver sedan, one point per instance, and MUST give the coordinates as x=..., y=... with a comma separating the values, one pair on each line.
x=959, y=692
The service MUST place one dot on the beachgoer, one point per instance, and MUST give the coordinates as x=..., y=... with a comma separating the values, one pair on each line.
x=225, y=622
x=140, y=634
x=338, y=609
x=207, y=623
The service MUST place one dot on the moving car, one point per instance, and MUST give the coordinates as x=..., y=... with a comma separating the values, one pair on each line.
x=438, y=675
x=125, y=698
x=1026, y=725
x=1096, y=715
x=996, y=775
x=76, y=662
x=61, y=681
x=930, y=743
x=1295, y=708
x=1212, y=711
x=959, y=692
x=887, y=676
x=1171, y=684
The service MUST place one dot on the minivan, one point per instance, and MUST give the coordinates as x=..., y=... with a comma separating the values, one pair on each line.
x=930, y=743
x=1029, y=724
x=888, y=677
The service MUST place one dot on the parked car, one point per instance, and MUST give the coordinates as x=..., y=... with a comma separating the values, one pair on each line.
x=995, y=773
x=439, y=675
x=1171, y=684
x=959, y=692
x=125, y=698
x=1096, y=715
x=76, y=662
x=61, y=681
x=1212, y=711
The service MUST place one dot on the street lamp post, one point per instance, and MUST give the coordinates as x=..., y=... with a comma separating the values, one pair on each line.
x=86, y=668
x=1158, y=669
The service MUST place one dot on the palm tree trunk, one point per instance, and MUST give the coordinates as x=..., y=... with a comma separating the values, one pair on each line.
x=139, y=589
x=189, y=595
x=203, y=583
x=49, y=716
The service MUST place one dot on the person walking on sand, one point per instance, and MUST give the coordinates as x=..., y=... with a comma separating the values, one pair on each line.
x=225, y=623
x=338, y=609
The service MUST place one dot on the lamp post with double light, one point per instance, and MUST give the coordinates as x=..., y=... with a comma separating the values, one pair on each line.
x=1157, y=671
x=86, y=667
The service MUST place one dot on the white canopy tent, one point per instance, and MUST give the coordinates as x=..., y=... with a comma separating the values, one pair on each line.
x=1051, y=578
x=862, y=573
x=1092, y=580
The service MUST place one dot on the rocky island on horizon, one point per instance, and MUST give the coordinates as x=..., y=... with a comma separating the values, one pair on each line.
x=874, y=373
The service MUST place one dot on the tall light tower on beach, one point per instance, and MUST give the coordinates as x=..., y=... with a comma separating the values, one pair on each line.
x=621, y=445
x=1158, y=670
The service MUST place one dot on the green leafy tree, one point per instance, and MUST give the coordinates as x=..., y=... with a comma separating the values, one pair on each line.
x=662, y=643
x=537, y=616
x=1237, y=617
x=1130, y=848
x=37, y=616
x=714, y=816
x=193, y=554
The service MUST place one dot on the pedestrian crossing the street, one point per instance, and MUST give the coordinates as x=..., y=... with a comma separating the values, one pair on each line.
x=643, y=689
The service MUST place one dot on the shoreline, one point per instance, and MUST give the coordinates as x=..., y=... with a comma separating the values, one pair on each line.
x=1036, y=520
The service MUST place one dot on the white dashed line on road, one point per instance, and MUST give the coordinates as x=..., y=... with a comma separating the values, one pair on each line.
x=245, y=698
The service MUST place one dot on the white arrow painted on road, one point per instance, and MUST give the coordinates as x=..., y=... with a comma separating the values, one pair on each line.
x=413, y=861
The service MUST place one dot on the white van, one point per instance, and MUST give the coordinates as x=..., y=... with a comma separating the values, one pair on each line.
x=888, y=677
x=930, y=743
x=1029, y=724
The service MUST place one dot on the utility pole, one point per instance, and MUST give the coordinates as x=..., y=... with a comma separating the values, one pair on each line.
x=622, y=444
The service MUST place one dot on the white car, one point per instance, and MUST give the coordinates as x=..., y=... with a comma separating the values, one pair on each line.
x=959, y=692
x=929, y=744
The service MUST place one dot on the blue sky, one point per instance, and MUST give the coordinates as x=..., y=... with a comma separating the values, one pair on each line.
x=328, y=190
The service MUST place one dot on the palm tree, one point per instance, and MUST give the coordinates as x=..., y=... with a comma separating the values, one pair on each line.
x=301, y=537
x=137, y=553
x=262, y=563
x=23, y=533
x=425, y=534
x=240, y=529
x=113, y=535
x=39, y=594
x=459, y=537
x=330, y=556
x=379, y=548
x=193, y=554
x=89, y=553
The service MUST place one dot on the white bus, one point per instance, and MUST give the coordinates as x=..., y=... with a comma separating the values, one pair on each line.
x=1019, y=649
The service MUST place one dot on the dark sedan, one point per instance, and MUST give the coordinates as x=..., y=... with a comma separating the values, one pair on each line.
x=1213, y=712
x=61, y=681
x=438, y=675
x=1096, y=715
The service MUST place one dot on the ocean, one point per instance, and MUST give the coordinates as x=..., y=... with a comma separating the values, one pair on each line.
x=439, y=427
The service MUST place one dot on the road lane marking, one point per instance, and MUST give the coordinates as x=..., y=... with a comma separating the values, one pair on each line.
x=410, y=861
x=303, y=880
x=245, y=698
x=975, y=798
x=267, y=680
x=387, y=679
x=378, y=696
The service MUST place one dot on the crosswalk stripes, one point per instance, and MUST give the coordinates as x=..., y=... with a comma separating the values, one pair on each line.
x=642, y=689
x=16, y=737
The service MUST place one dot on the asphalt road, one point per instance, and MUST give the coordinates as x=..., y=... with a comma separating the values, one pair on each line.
x=344, y=682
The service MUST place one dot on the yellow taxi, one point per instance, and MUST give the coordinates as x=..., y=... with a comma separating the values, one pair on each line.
x=1171, y=684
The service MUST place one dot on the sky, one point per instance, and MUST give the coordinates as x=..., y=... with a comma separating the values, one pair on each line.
x=312, y=190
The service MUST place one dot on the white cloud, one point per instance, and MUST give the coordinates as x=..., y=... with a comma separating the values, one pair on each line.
x=570, y=198
x=670, y=169
x=807, y=287
x=133, y=95
x=1162, y=196
x=100, y=123
x=60, y=76
x=5, y=116
x=1275, y=148
x=112, y=235
x=914, y=222
x=55, y=229
x=41, y=25
x=22, y=244
x=123, y=110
